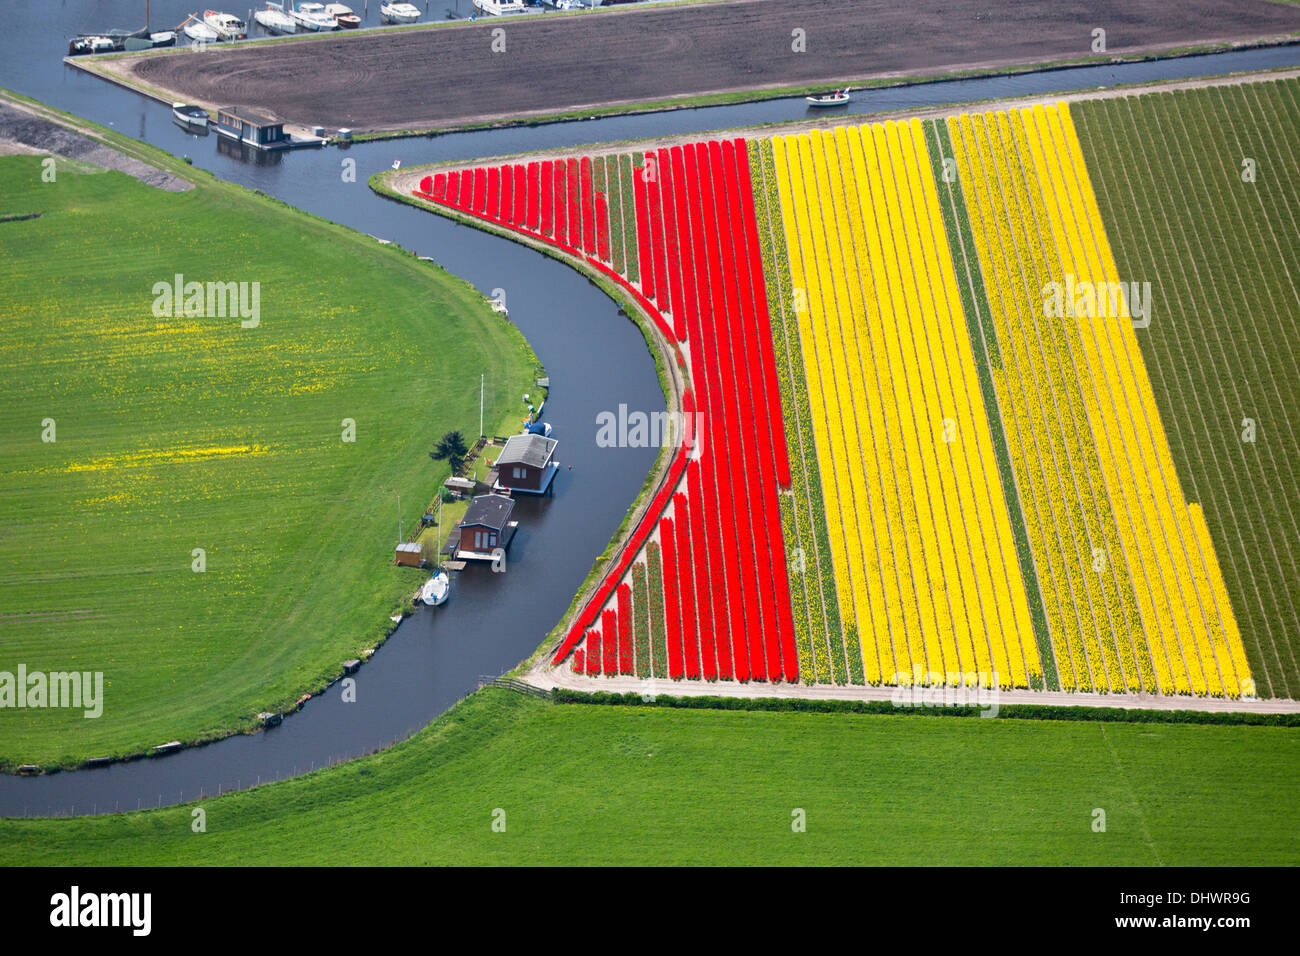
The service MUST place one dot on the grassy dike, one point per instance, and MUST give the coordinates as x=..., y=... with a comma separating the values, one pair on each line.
x=183, y=433
x=877, y=790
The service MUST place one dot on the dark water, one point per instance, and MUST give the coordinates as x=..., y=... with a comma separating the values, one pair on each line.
x=595, y=358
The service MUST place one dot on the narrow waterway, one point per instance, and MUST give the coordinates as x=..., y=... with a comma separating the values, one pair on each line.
x=595, y=358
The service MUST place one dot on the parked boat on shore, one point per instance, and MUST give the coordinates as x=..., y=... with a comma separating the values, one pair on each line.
x=227, y=25
x=274, y=20
x=399, y=12
x=312, y=18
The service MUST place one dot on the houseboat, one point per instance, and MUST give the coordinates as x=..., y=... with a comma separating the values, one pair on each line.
x=526, y=464
x=485, y=528
x=242, y=125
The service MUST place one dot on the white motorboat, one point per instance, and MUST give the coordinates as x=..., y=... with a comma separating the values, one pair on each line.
x=312, y=17
x=198, y=31
x=227, y=25
x=496, y=8
x=436, y=589
x=343, y=15
x=399, y=12
x=838, y=98
x=193, y=118
x=274, y=20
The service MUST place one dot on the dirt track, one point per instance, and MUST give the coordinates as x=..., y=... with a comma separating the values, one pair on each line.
x=449, y=76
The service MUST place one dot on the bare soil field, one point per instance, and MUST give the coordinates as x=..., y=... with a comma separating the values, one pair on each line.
x=450, y=76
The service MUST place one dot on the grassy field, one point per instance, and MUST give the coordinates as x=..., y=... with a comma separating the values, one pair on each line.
x=1223, y=259
x=585, y=784
x=174, y=434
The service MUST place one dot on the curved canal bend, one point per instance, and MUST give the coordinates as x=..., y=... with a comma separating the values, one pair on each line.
x=595, y=358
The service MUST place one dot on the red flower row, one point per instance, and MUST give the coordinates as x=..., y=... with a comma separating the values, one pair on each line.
x=726, y=601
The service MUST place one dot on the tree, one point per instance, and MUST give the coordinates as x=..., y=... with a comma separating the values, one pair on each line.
x=451, y=447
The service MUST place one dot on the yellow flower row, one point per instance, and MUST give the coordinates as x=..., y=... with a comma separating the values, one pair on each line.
x=1210, y=614
x=1087, y=444
x=924, y=555
x=1090, y=602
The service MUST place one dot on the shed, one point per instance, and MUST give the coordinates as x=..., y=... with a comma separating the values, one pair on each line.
x=525, y=464
x=408, y=554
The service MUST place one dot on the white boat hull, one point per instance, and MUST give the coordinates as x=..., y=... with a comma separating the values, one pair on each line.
x=190, y=120
x=200, y=32
x=395, y=15
x=436, y=589
x=496, y=8
x=313, y=24
x=227, y=29
x=274, y=22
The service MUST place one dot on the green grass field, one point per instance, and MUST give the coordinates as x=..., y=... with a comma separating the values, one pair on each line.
x=1223, y=258
x=180, y=433
x=720, y=787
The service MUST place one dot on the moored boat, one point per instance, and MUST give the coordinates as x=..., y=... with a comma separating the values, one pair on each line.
x=227, y=25
x=838, y=98
x=343, y=15
x=79, y=45
x=152, y=41
x=436, y=589
x=274, y=20
x=312, y=18
x=198, y=31
x=496, y=8
x=399, y=12
x=193, y=118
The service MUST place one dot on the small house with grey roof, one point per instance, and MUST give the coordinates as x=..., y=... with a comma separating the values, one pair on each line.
x=526, y=464
x=485, y=527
